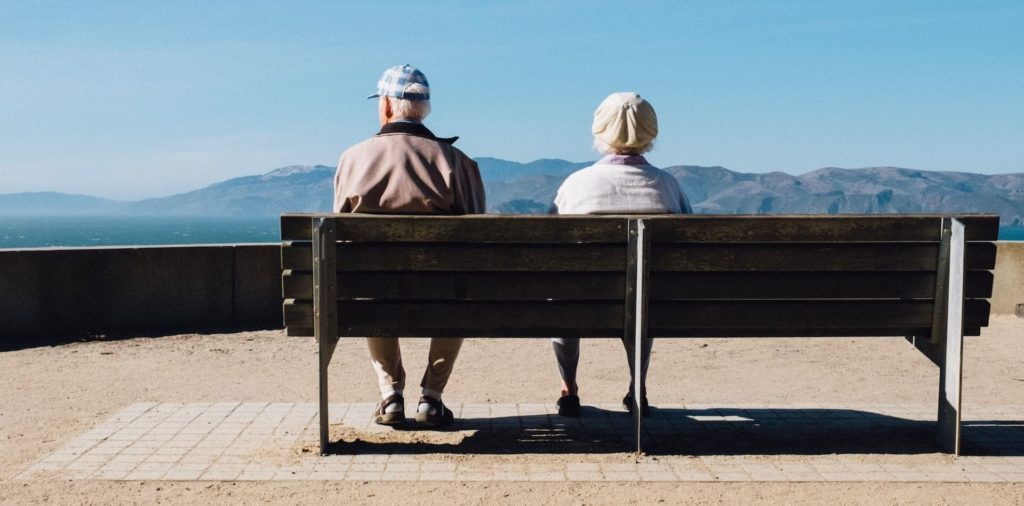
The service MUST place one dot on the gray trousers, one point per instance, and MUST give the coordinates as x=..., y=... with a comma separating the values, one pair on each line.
x=567, y=353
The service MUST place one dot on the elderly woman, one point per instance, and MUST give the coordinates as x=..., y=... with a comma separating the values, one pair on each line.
x=619, y=183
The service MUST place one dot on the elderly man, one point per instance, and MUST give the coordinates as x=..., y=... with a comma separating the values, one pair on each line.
x=407, y=169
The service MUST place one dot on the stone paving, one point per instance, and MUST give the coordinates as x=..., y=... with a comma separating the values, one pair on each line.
x=527, y=442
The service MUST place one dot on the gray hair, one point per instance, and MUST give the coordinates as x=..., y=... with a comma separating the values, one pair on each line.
x=412, y=110
x=603, y=148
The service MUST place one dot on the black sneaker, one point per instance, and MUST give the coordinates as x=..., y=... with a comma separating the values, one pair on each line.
x=627, y=402
x=441, y=417
x=393, y=418
x=569, y=405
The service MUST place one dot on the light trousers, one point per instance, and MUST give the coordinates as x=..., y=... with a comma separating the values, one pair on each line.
x=567, y=354
x=387, y=362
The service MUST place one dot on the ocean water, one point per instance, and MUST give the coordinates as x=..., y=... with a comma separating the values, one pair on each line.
x=1011, y=233
x=68, y=231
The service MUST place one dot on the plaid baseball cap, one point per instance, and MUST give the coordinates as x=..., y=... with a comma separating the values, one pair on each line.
x=396, y=80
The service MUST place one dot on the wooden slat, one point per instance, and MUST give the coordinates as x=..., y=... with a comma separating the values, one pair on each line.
x=297, y=255
x=609, y=285
x=811, y=257
x=481, y=257
x=754, y=332
x=669, y=316
x=371, y=318
x=489, y=319
x=981, y=256
x=611, y=257
x=807, y=285
x=812, y=228
x=298, y=314
x=296, y=227
x=980, y=227
x=477, y=228
x=481, y=318
x=464, y=285
x=465, y=257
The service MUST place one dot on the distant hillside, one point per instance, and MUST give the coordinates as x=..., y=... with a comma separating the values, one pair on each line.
x=53, y=203
x=295, y=188
x=514, y=187
x=887, y=190
x=310, y=188
x=496, y=170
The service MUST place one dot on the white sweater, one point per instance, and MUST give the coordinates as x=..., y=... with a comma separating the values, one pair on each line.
x=620, y=184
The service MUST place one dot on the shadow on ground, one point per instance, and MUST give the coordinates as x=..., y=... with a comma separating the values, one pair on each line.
x=57, y=338
x=690, y=432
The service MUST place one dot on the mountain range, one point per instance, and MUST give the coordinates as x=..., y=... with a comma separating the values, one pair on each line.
x=514, y=187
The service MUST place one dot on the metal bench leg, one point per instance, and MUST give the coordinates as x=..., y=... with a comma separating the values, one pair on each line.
x=325, y=311
x=636, y=314
x=947, y=333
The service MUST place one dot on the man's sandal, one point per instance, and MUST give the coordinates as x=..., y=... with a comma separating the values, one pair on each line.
x=382, y=417
x=441, y=416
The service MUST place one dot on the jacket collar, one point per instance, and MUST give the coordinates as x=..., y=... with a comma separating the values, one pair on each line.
x=414, y=129
x=634, y=160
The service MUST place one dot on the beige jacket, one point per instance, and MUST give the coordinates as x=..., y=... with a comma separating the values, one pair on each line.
x=406, y=169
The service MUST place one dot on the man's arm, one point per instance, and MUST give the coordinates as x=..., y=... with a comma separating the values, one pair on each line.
x=471, y=193
x=342, y=203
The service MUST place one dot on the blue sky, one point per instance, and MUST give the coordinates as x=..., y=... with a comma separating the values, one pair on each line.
x=136, y=99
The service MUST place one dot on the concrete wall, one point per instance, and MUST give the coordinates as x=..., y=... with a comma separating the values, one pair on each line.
x=1008, y=290
x=66, y=294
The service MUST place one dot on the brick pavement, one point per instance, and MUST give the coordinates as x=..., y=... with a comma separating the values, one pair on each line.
x=257, y=441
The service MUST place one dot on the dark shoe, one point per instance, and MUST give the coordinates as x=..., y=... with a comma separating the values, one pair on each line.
x=442, y=415
x=627, y=402
x=569, y=405
x=393, y=418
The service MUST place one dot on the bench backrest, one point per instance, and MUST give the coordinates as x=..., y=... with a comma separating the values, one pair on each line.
x=569, y=275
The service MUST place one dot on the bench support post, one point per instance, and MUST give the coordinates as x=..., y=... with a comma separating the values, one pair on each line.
x=637, y=267
x=325, y=310
x=947, y=332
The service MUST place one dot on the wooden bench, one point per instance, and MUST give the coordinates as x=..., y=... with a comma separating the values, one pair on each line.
x=925, y=277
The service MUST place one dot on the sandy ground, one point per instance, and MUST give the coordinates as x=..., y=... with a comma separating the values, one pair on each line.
x=50, y=395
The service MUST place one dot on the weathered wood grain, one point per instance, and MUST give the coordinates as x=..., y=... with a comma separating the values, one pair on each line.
x=677, y=318
x=807, y=285
x=464, y=285
x=808, y=228
x=609, y=285
x=811, y=257
x=819, y=314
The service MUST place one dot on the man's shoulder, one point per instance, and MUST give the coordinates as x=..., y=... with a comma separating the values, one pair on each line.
x=360, y=147
x=395, y=143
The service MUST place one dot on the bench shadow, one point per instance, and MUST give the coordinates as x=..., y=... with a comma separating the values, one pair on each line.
x=697, y=432
x=59, y=338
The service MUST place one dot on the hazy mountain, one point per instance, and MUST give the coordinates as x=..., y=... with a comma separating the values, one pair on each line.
x=53, y=203
x=530, y=187
x=295, y=188
x=512, y=187
x=843, y=191
x=496, y=170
